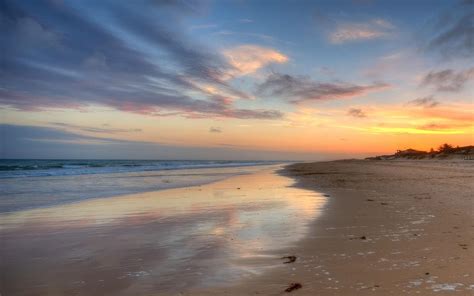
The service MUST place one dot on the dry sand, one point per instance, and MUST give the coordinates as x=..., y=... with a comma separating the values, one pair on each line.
x=389, y=228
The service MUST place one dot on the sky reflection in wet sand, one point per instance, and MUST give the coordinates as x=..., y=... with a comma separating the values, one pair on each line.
x=161, y=241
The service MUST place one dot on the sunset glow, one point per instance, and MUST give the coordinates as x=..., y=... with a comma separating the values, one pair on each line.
x=234, y=80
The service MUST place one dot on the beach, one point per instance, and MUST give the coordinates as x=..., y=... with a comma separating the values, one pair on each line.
x=354, y=227
x=239, y=147
x=156, y=242
x=389, y=228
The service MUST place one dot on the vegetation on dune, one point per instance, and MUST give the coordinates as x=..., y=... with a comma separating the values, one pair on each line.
x=444, y=151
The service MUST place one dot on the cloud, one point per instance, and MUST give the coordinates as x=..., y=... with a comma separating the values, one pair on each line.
x=359, y=31
x=452, y=33
x=401, y=65
x=37, y=142
x=355, y=112
x=426, y=102
x=215, y=129
x=104, y=129
x=448, y=118
x=298, y=88
x=30, y=134
x=247, y=59
x=259, y=114
x=29, y=32
x=448, y=80
x=444, y=126
x=125, y=56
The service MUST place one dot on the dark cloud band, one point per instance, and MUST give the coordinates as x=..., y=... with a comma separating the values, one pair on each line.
x=298, y=89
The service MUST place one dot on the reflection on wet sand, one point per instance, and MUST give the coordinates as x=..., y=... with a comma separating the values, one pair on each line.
x=165, y=241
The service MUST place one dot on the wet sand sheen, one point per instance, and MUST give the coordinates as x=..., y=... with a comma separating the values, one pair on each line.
x=388, y=228
x=156, y=242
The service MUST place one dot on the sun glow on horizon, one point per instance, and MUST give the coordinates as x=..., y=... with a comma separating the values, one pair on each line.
x=287, y=83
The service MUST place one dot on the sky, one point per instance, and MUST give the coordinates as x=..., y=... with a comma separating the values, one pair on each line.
x=240, y=80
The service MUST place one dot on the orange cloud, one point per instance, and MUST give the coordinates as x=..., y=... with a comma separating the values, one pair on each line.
x=248, y=59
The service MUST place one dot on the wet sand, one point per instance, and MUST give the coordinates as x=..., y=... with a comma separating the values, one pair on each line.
x=156, y=243
x=389, y=228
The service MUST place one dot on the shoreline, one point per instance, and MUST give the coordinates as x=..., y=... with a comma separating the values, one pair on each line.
x=156, y=243
x=22, y=192
x=388, y=228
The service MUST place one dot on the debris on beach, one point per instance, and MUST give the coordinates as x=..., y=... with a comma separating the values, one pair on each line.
x=291, y=259
x=362, y=237
x=293, y=286
x=369, y=199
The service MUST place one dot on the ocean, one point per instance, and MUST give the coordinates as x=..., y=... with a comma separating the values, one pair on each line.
x=30, y=184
